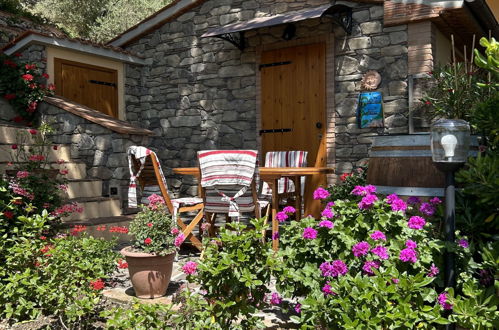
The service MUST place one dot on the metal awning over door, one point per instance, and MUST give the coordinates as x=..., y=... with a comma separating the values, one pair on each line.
x=234, y=33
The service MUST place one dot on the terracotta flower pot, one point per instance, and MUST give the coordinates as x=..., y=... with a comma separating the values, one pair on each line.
x=150, y=274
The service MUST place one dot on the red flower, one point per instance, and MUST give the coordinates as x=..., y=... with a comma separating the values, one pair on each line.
x=344, y=176
x=33, y=131
x=147, y=241
x=8, y=214
x=10, y=63
x=32, y=107
x=27, y=77
x=427, y=102
x=55, y=147
x=46, y=249
x=17, y=119
x=98, y=284
x=51, y=87
x=9, y=97
x=430, y=73
x=122, y=264
x=37, y=158
x=30, y=66
x=14, y=146
x=63, y=172
x=45, y=75
x=149, y=224
x=32, y=85
x=43, y=238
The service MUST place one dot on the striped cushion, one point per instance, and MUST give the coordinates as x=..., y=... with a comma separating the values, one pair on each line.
x=226, y=176
x=285, y=159
x=215, y=204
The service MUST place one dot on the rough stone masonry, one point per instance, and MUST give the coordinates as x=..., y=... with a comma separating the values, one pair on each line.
x=198, y=93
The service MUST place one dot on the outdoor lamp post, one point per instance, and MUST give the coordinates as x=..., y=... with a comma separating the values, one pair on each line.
x=450, y=141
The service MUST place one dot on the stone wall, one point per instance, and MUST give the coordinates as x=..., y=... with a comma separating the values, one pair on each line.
x=371, y=46
x=200, y=93
x=101, y=149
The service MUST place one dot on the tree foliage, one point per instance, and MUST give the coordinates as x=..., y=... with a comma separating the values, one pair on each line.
x=98, y=20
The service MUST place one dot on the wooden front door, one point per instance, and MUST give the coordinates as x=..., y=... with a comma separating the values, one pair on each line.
x=93, y=86
x=293, y=98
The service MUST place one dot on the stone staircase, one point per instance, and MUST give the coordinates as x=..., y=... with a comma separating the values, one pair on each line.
x=98, y=210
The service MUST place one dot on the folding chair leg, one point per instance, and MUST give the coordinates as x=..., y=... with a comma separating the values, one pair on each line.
x=187, y=230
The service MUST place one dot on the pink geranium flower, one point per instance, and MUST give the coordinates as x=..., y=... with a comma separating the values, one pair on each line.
x=326, y=224
x=321, y=193
x=377, y=235
x=408, y=255
x=416, y=222
x=309, y=233
x=190, y=267
x=360, y=249
x=380, y=251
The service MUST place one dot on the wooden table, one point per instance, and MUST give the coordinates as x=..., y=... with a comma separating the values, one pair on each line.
x=271, y=175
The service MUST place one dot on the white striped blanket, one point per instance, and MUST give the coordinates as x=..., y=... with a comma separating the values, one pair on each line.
x=226, y=176
x=141, y=154
x=285, y=159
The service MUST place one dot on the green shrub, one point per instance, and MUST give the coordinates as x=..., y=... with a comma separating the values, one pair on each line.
x=60, y=277
x=234, y=273
x=139, y=316
x=342, y=268
x=348, y=181
x=154, y=229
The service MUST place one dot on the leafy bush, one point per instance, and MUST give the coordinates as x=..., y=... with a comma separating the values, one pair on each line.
x=234, y=273
x=477, y=203
x=154, y=230
x=454, y=93
x=140, y=316
x=348, y=181
x=368, y=268
x=60, y=277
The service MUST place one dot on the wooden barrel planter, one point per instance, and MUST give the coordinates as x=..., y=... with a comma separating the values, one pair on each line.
x=402, y=165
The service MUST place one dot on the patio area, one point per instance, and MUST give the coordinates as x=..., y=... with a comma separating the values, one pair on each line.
x=260, y=164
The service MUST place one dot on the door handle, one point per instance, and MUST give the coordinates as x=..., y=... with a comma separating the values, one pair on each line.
x=318, y=124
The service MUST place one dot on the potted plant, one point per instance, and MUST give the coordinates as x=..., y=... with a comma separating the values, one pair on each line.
x=150, y=257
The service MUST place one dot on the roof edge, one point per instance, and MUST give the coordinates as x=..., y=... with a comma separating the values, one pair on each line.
x=174, y=9
x=32, y=37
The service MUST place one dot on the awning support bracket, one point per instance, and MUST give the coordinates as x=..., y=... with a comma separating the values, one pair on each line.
x=235, y=38
x=341, y=15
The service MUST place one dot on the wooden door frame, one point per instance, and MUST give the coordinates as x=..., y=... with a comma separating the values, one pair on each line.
x=328, y=40
x=58, y=62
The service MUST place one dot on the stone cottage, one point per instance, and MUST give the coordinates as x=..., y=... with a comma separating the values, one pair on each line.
x=271, y=75
x=280, y=75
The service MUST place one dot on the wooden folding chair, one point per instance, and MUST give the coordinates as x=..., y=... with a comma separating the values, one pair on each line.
x=287, y=186
x=145, y=167
x=228, y=185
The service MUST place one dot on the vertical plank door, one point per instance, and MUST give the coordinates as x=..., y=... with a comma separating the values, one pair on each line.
x=90, y=85
x=293, y=96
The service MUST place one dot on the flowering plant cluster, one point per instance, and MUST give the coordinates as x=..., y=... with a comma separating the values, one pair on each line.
x=24, y=86
x=60, y=275
x=379, y=247
x=31, y=179
x=347, y=182
x=154, y=230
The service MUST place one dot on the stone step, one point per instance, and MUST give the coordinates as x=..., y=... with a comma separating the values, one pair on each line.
x=76, y=170
x=8, y=134
x=95, y=207
x=7, y=154
x=105, y=223
x=84, y=188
